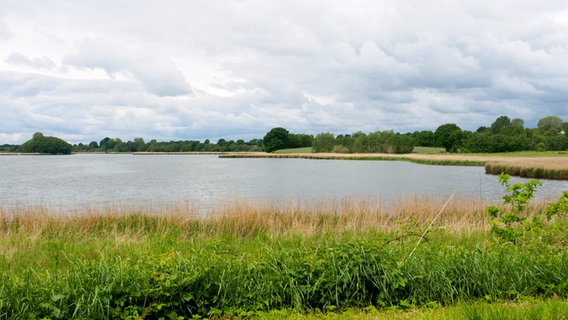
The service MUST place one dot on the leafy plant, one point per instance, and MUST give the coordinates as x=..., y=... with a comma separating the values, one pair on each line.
x=511, y=224
x=506, y=224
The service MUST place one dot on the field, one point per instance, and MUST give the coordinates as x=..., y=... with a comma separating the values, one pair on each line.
x=352, y=259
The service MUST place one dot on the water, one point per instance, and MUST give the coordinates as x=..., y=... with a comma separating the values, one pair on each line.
x=97, y=180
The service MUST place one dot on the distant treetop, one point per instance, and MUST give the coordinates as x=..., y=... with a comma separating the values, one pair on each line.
x=46, y=145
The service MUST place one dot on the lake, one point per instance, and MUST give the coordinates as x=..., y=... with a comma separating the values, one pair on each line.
x=206, y=181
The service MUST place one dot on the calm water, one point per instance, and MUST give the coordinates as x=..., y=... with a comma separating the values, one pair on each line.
x=95, y=180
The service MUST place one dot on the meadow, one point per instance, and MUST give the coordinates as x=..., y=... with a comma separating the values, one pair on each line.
x=419, y=258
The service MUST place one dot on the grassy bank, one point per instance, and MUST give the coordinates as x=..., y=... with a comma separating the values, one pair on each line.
x=421, y=159
x=541, y=165
x=249, y=260
x=540, y=168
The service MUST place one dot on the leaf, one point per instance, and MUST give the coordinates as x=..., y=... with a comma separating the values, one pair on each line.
x=57, y=297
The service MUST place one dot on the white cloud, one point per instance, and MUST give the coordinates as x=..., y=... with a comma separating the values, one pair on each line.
x=234, y=69
x=33, y=63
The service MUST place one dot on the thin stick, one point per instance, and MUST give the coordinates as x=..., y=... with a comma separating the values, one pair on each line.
x=431, y=223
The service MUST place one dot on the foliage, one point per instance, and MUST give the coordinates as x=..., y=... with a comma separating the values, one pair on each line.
x=492, y=143
x=499, y=124
x=449, y=136
x=45, y=144
x=505, y=223
x=323, y=142
x=276, y=138
x=424, y=138
x=550, y=125
x=375, y=142
x=515, y=225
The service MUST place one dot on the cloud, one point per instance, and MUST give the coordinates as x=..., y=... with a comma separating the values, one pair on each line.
x=36, y=63
x=234, y=69
x=4, y=31
x=156, y=73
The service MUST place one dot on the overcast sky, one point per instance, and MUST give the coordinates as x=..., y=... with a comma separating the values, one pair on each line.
x=196, y=69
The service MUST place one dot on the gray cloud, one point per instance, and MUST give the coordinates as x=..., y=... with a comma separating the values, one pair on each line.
x=218, y=69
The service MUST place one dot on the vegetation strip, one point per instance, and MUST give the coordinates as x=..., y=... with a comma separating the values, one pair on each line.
x=549, y=167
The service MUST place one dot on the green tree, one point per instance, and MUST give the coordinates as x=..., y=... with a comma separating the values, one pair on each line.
x=550, y=125
x=424, y=138
x=93, y=145
x=300, y=140
x=499, y=124
x=323, y=142
x=276, y=138
x=398, y=143
x=139, y=144
x=44, y=144
x=449, y=136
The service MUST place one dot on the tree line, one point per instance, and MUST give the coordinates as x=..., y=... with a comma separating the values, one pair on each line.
x=503, y=135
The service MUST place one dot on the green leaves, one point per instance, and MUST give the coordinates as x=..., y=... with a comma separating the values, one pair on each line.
x=510, y=224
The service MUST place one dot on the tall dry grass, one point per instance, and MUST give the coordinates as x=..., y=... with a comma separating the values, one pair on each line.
x=245, y=219
x=547, y=168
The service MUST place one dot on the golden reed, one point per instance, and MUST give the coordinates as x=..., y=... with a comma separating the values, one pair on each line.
x=246, y=218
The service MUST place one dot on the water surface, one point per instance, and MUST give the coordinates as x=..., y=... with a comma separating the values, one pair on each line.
x=98, y=180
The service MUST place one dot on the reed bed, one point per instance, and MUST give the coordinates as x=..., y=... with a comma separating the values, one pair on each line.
x=247, y=219
x=539, y=168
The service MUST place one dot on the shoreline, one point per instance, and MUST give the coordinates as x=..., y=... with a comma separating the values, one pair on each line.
x=538, y=167
x=554, y=167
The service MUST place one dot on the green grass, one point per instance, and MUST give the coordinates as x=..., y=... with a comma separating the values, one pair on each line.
x=533, y=309
x=429, y=150
x=294, y=150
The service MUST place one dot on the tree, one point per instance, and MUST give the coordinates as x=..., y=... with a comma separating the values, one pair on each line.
x=139, y=144
x=550, y=125
x=449, y=136
x=44, y=144
x=424, y=139
x=323, y=142
x=499, y=124
x=300, y=140
x=93, y=145
x=276, y=138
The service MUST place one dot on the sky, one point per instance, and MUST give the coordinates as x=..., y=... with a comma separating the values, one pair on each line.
x=196, y=70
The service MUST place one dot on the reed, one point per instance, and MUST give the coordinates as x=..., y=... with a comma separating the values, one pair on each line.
x=247, y=219
x=538, y=168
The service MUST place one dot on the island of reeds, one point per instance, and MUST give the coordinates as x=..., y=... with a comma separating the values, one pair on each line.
x=455, y=258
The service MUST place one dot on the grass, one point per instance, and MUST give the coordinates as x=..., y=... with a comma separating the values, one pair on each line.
x=533, y=309
x=530, y=164
x=429, y=150
x=294, y=150
x=540, y=168
x=350, y=258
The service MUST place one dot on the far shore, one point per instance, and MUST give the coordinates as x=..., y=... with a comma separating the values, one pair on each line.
x=549, y=166
x=529, y=164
